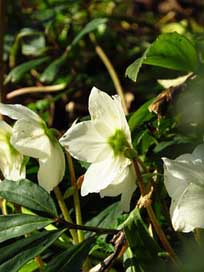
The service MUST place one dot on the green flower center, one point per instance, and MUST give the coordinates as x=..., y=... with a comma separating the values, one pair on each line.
x=119, y=144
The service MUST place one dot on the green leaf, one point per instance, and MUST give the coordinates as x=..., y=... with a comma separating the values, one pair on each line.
x=18, y=72
x=18, y=224
x=130, y=263
x=107, y=218
x=52, y=70
x=133, y=69
x=170, y=50
x=29, y=267
x=91, y=26
x=26, y=193
x=143, y=247
x=71, y=259
x=173, y=51
x=31, y=247
x=140, y=116
x=33, y=44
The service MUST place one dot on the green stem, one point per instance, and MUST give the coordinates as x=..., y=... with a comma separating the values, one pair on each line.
x=87, y=228
x=109, y=66
x=75, y=196
x=65, y=212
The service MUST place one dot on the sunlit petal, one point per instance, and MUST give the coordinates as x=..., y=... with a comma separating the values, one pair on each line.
x=101, y=174
x=30, y=139
x=85, y=143
x=52, y=168
x=18, y=111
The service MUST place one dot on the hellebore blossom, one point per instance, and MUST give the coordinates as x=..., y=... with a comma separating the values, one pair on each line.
x=31, y=137
x=184, y=180
x=12, y=163
x=102, y=141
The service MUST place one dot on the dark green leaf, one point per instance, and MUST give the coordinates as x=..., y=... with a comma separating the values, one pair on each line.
x=35, y=247
x=18, y=224
x=28, y=194
x=173, y=51
x=144, y=248
x=170, y=50
x=107, y=218
x=133, y=69
x=130, y=263
x=71, y=259
x=91, y=26
x=52, y=70
x=140, y=116
x=18, y=72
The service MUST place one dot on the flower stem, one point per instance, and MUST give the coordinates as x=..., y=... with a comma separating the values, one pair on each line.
x=75, y=196
x=65, y=212
x=106, y=61
x=153, y=218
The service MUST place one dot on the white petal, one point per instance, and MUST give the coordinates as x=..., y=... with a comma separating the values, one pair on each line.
x=11, y=162
x=101, y=174
x=87, y=141
x=198, y=153
x=121, y=115
x=126, y=188
x=188, y=212
x=51, y=170
x=30, y=139
x=18, y=111
x=102, y=107
x=185, y=170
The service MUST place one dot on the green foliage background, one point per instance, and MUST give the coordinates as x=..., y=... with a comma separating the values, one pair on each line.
x=51, y=55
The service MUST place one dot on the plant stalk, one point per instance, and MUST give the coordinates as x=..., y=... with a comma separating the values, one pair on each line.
x=109, y=66
x=65, y=212
x=153, y=218
x=75, y=196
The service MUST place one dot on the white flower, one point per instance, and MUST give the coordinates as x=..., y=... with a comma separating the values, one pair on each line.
x=100, y=141
x=11, y=161
x=184, y=180
x=31, y=137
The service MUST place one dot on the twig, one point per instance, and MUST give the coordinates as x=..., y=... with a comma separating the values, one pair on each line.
x=106, y=61
x=120, y=246
x=153, y=218
x=36, y=89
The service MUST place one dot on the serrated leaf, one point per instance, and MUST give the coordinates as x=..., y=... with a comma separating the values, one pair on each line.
x=71, y=259
x=170, y=50
x=32, y=248
x=173, y=51
x=140, y=116
x=143, y=247
x=15, y=225
x=91, y=26
x=26, y=193
x=19, y=71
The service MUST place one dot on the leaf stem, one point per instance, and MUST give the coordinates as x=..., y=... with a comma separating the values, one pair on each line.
x=153, y=218
x=87, y=228
x=65, y=212
x=39, y=262
x=109, y=66
x=75, y=196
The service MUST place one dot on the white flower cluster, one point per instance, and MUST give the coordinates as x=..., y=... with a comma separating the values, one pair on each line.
x=100, y=141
